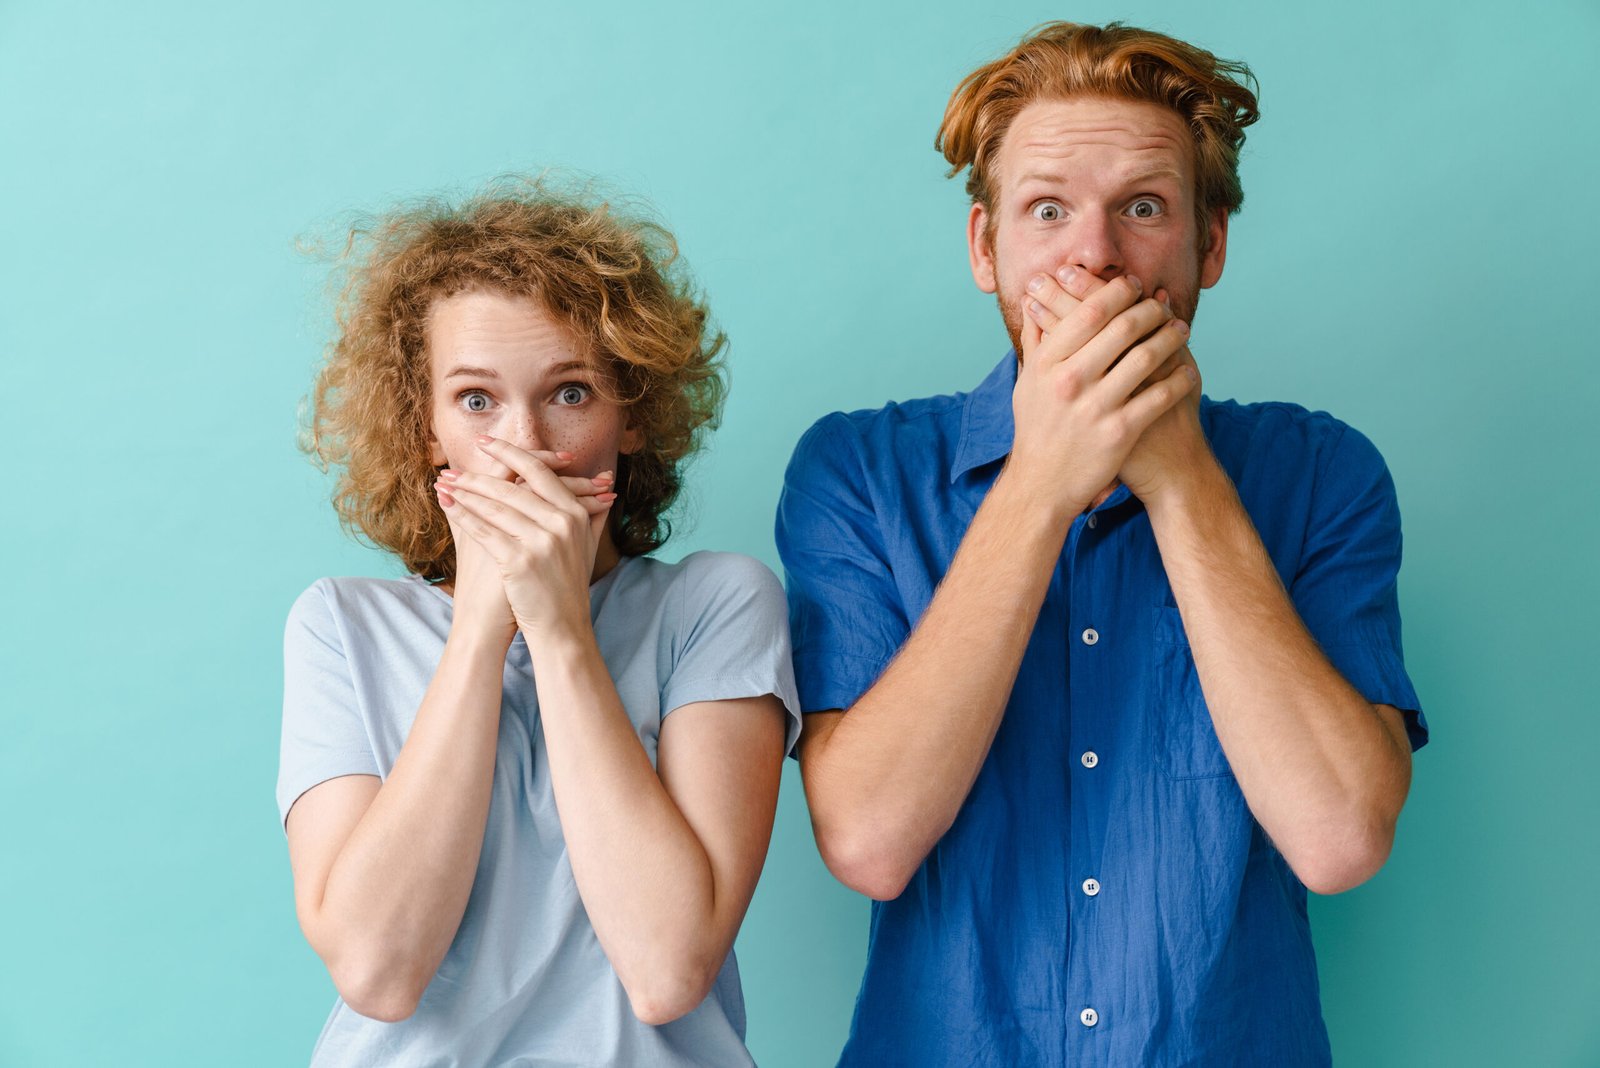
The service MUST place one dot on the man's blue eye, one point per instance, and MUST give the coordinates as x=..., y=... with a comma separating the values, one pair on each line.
x=1047, y=212
x=1145, y=208
x=572, y=395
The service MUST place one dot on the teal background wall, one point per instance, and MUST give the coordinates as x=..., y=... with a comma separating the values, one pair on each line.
x=1417, y=255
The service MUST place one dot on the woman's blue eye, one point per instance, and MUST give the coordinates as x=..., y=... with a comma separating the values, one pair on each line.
x=572, y=395
x=1047, y=212
x=1145, y=208
x=475, y=402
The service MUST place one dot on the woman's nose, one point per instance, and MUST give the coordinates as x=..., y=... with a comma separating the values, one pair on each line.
x=528, y=434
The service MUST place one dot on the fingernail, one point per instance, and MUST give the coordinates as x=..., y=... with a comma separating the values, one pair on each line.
x=566, y=455
x=606, y=497
x=1181, y=326
x=1137, y=286
x=1190, y=372
x=1035, y=307
x=484, y=439
x=1036, y=283
x=449, y=475
x=1067, y=275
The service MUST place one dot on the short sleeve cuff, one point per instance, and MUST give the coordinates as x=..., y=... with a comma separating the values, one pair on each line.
x=834, y=680
x=680, y=692
x=1378, y=674
x=312, y=773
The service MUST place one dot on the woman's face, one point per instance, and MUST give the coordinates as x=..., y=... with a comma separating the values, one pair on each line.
x=502, y=366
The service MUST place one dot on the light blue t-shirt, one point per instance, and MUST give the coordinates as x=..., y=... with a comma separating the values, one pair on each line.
x=525, y=982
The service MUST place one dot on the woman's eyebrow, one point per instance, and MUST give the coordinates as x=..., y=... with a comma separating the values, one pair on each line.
x=473, y=372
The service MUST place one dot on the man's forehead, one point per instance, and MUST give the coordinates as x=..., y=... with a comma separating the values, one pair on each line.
x=1141, y=138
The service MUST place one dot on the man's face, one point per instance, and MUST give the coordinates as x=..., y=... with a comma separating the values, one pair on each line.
x=1107, y=186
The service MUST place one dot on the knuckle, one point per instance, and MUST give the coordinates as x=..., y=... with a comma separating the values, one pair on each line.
x=1069, y=384
x=1093, y=314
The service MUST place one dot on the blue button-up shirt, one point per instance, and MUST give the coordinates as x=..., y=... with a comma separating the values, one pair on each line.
x=1104, y=896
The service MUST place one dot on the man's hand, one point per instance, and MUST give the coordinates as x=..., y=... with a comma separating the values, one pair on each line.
x=1171, y=448
x=1090, y=382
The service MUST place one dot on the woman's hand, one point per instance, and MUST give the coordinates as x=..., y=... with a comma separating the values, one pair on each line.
x=541, y=532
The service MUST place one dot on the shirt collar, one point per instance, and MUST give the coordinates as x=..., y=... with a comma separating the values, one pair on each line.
x=987, y=425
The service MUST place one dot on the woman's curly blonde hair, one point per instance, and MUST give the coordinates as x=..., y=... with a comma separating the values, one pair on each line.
x=607, y=275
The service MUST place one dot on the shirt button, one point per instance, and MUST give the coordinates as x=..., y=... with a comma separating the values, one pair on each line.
x=1094, y=521
x=1089, y=759
x=1091, y=887
x=1089, y=1017
x=1091, y=636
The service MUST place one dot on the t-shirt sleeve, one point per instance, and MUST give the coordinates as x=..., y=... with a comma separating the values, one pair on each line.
x=845, y=612
x=1345, y=588
x=324, y=736
x=732, y=639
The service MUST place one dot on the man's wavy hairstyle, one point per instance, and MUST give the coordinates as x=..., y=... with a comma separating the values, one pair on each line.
x=1060, y=60
x=609, y=276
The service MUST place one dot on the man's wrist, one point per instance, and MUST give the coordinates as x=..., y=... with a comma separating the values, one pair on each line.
x=1035, y=501
x=1193, y=497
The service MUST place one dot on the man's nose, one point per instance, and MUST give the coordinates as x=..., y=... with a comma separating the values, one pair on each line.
x=1092, y=246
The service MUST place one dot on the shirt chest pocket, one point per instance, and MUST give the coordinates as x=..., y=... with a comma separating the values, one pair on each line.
x=1188, y=745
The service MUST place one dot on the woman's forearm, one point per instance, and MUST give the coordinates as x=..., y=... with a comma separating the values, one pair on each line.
x=646, y=880
x=396, y=892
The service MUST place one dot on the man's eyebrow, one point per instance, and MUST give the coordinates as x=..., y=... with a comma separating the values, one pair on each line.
x=1136, y=178
x=1040, y=178
x=1140, y=177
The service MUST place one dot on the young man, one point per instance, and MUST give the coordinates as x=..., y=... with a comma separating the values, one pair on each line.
x=1101, y=675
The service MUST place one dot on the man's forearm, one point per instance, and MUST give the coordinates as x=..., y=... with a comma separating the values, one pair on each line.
x=885, y=780
x=1322, y=771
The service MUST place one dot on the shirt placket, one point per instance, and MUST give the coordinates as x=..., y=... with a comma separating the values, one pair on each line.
x=1088, y=1017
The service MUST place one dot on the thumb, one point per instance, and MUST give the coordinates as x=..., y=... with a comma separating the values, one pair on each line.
x=598, y=521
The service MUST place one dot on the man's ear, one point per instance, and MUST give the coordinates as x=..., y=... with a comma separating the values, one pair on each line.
x=979, y=251
x=1216, y=253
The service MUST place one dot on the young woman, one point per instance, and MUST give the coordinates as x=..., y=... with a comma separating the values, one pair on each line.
x=527, y=789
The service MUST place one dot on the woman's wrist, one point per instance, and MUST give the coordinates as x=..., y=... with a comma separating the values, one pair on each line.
x=475, y=638
x=566, y=641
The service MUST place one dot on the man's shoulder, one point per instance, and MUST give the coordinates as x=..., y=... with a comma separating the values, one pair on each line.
x=900, y=433
x=1277, y=430
x=935, y=414
x=1282, y=456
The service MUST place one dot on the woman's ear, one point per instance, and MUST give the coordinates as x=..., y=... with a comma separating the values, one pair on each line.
x=632, y=436
x=436, y=456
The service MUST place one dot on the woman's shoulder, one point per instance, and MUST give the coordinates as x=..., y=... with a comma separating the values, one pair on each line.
x=337, y=599
x=705, y=574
